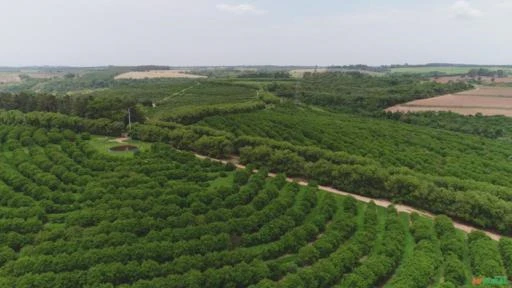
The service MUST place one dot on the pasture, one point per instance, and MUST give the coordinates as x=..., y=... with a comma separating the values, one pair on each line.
x=484, y=100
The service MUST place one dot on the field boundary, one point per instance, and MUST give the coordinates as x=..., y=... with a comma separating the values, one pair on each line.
x=458, y=107
x=485, y=100
x=483, y=95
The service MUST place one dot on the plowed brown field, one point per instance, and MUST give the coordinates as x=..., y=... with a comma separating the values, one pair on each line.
x=485, y=100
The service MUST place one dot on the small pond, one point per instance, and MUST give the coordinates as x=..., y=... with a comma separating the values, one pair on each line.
x=124, y=148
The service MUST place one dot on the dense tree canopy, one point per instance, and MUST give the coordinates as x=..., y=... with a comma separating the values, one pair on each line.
x=73, y=214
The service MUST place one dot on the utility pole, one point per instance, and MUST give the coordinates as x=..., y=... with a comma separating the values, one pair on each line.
x=129, y=120
x=297, y=84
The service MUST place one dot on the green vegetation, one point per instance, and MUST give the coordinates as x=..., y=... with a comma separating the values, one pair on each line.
x=359, y=92
x=436, y=170
x=486, y=126
x=448, y=70
x=104, y=144
x=66, y=80
x=75, y=214
x=183, y=101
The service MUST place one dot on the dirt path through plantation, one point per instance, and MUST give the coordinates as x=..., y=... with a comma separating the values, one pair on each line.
x=380, y=202
x=120, y=140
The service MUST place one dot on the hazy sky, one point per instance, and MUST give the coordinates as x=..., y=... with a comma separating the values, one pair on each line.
x=243, y=32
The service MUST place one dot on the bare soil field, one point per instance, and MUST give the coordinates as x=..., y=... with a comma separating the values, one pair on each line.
x=6, y=78
x=485, y=100
x=157, y=74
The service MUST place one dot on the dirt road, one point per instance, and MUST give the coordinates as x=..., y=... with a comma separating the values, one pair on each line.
x=380, y=202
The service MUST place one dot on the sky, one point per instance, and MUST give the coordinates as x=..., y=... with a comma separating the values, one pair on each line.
x=254, y=32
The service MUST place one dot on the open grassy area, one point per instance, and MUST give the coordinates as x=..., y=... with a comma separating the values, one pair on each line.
x=104, y=144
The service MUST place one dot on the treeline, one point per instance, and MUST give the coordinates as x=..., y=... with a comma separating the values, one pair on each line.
x=189, y=115
x=56, y=120
x=359, y=67
x=114, y=108
x=265, y=75
x=359, y=92
x=486, y=126
x=487, y=73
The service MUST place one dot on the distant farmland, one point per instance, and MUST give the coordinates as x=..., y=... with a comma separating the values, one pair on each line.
x=447, y=79
x=17, y=76
x=299, y=73
x=157, y=74
x=450, y=70
x=9, y=78
x=484, y=100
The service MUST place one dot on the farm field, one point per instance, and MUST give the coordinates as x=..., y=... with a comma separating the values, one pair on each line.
x=299, y=73
x=484, y=100
x=83, y=207
x=450, y=70
x=175, y=219
x=158, y=74
x=10, y=77
x=256, y=144
x=6, y=78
